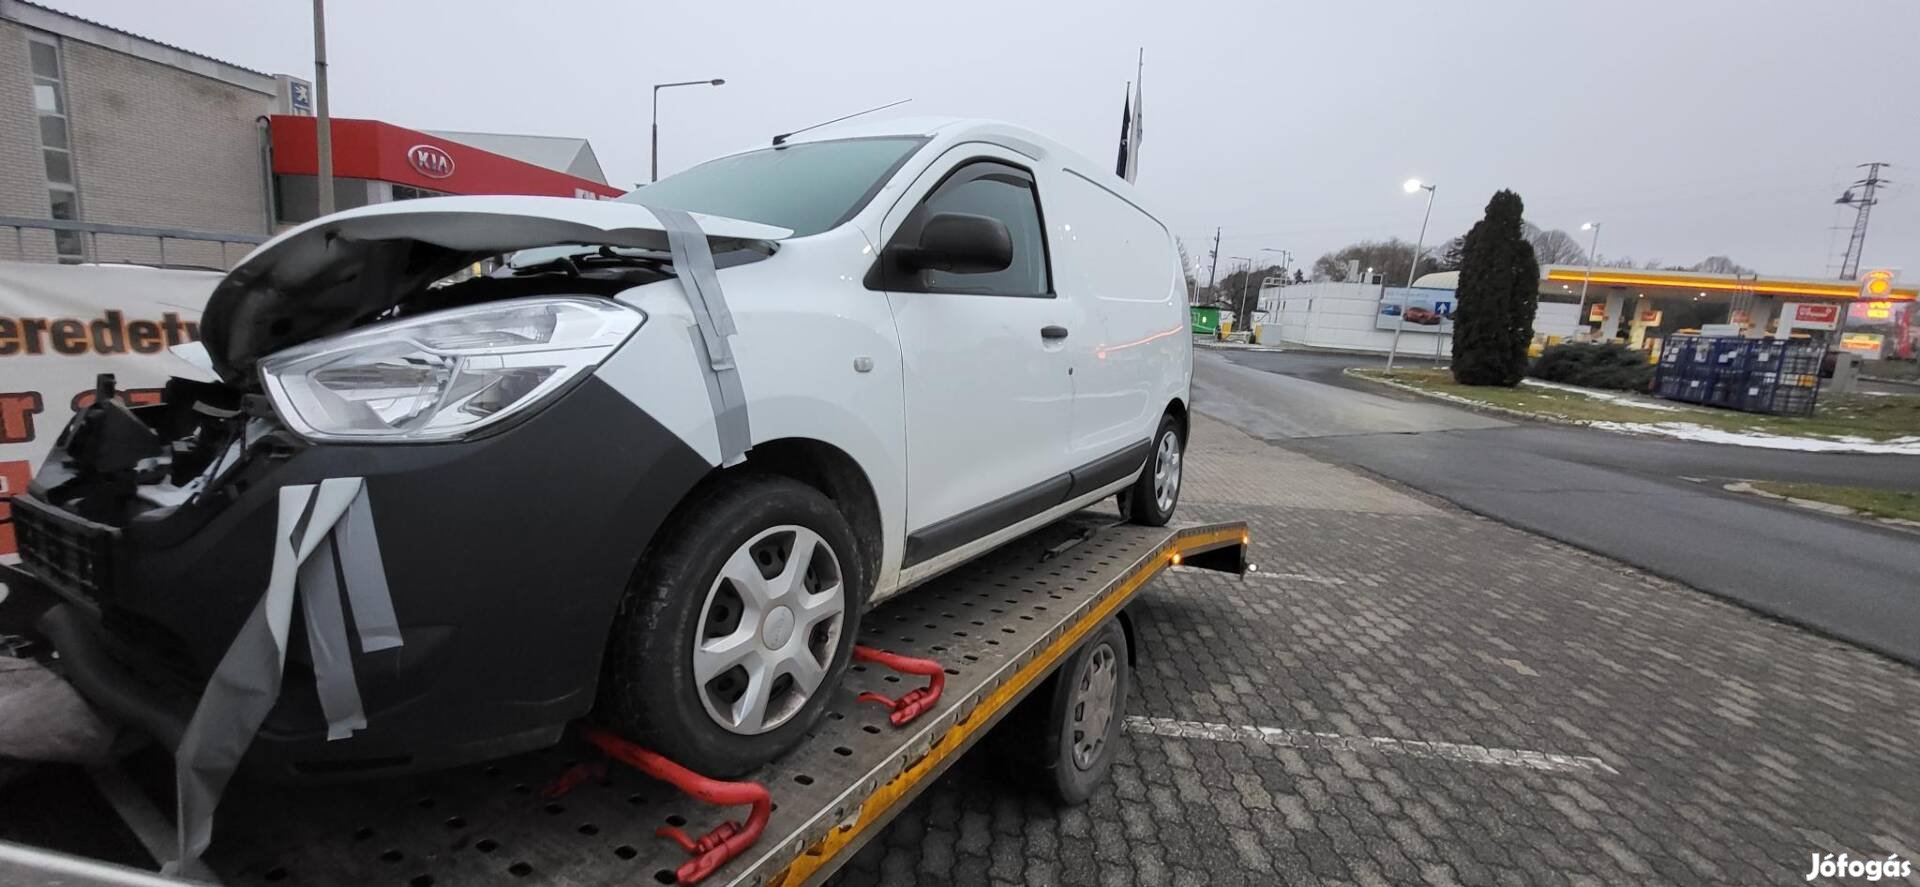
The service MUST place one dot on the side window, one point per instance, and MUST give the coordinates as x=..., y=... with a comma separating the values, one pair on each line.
x=998, y=191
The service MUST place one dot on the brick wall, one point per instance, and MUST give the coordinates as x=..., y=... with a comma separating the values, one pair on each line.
x=153, y=146
x=23, y=177
x=161, y=147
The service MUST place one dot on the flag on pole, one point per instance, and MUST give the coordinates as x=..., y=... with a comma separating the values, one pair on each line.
x=1139, y=120
x=1123, y=167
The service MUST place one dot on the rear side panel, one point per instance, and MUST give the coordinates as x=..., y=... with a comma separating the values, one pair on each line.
x=1120, y=263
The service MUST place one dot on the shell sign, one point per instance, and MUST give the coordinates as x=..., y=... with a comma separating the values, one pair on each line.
x=1876, y=284
x=430, y=161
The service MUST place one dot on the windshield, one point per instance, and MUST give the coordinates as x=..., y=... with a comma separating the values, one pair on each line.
x=808, y=187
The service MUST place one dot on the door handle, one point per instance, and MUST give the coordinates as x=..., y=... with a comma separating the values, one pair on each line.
x=1053, y=331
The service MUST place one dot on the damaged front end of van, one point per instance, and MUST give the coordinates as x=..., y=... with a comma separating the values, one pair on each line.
x=499, y=486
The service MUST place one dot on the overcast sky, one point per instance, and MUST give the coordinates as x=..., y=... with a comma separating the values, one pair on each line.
x=1690, y=127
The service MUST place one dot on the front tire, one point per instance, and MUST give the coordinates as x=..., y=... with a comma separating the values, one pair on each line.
x=737, y=627
x=1153, y=497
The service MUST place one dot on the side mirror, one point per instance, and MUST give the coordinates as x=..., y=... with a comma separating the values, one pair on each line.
x=961, y=243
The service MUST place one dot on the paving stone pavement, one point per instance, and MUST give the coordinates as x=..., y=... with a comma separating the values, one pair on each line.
x=1362, y=710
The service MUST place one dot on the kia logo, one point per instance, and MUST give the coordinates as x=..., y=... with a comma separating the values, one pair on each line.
x=430, y=161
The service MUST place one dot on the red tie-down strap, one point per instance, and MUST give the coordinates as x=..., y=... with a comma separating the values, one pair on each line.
x=712, y=850
x=917, y=702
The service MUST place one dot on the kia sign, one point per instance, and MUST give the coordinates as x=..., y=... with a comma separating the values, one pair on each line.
x=430, y=161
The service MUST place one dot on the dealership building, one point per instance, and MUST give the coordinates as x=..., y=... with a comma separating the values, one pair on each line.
x=118, y=148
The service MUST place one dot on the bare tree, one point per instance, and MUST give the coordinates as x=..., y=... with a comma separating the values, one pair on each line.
x=1721, y=265
x=1389, y=258
x=1555, y=247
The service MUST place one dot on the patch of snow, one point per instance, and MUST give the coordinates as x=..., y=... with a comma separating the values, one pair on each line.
x=1608, y=396
x=1901, y=446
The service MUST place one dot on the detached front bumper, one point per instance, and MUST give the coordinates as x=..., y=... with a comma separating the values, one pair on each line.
x=505, y=556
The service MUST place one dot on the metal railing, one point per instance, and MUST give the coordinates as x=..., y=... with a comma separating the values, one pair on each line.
x=92, y=231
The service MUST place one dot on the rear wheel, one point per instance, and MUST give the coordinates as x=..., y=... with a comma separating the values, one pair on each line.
x=1084, y=715
x=1154, y=495
x=737, y=627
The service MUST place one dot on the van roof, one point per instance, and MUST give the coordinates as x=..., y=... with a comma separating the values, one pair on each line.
x=951, y=130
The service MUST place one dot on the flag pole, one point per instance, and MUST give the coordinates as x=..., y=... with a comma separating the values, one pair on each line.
x=1139, y=123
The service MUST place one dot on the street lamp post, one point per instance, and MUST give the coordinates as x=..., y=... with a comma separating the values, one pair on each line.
x=1412, y=186
x=1580, y=314
x=653, y=175
x=1286, y=258
x=322, y=120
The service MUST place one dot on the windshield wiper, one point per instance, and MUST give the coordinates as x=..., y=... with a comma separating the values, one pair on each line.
x=574, y=260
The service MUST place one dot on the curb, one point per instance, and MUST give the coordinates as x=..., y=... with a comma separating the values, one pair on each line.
x=1554, y=420
x=1474, y=405
x=1826, y=508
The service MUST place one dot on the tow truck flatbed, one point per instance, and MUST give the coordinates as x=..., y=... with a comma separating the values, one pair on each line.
x=1000, y=626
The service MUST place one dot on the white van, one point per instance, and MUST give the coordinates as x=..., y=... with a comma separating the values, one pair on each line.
x=658, y=461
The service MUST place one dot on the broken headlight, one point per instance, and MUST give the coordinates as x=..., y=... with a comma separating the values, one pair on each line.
x=443, y=375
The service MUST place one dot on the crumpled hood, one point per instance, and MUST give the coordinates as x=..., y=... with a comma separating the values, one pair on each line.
x=332, y=273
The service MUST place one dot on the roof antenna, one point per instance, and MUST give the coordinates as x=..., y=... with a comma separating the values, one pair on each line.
x=781, y=139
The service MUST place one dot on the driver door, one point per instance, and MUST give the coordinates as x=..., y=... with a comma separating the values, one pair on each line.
x=987, y=372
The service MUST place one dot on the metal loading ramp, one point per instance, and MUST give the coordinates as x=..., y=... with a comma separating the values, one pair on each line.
x=999, y=626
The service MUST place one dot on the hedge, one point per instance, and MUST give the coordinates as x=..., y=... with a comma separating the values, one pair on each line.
x=1594, y=366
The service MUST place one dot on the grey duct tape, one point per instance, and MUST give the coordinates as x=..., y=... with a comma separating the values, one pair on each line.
x=366, y=576
x=247, y=681
x=729, y=406
x=319, y=587
x=693, y=260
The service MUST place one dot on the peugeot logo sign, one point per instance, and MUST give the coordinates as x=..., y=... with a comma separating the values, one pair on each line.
x=430, y=161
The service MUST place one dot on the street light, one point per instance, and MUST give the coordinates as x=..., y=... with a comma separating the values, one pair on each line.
x=1413, y=186
x=654, y=174
x=1580, y=314
x=1286, y=258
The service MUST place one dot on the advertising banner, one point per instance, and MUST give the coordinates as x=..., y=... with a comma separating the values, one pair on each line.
x=62, y=325
x=1425, y=310
x=1867, y=345
x=1813, y=316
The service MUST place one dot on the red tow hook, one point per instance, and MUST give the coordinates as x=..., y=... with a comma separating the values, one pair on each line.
x=712, y=850
x=916, y=702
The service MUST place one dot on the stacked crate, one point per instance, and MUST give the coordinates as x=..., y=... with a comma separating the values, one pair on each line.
x=1769, y=376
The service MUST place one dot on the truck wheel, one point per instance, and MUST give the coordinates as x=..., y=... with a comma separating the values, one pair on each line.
x=736, y=628
x=1152, y=498
x=1085, y=715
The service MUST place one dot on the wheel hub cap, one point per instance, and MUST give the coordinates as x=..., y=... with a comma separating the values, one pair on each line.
x=777, y=628
x=769, y=629
x=1093, y=706
x=1166, y=471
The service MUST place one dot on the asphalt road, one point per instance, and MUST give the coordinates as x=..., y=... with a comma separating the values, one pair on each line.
x=1625, y=497
x=1405, y=693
